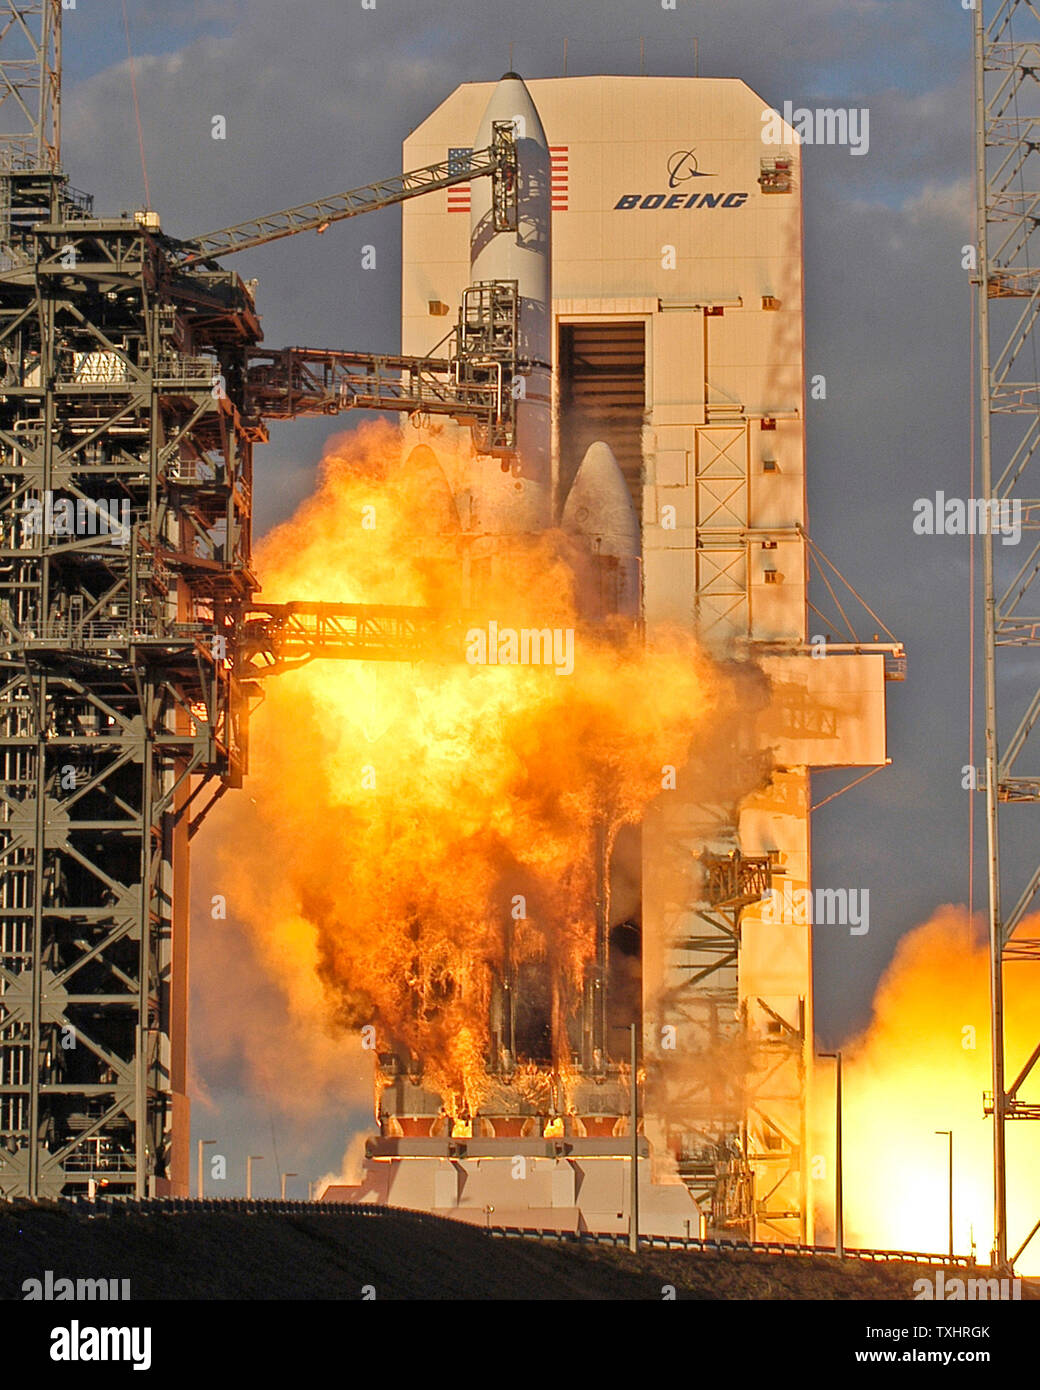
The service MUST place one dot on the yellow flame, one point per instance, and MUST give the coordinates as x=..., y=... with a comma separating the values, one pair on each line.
x=402, y=812
x=922, y=1066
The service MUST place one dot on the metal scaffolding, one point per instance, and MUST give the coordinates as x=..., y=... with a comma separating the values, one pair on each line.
x=125, y=499
x=740, y=1075
x=1007, y=171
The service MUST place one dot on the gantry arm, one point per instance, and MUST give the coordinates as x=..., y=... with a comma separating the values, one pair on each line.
x=497, y=160
x=278, y=637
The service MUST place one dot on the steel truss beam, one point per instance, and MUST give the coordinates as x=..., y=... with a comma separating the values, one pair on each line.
x=474, y=383
x=278, y=637
x=1007, y=170
x=290, y=382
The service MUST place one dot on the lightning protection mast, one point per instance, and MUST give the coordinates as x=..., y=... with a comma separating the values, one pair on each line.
x=1007, y=174
x=30, y=83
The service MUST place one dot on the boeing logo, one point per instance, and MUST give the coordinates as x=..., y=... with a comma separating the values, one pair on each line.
x=650, y=202
x=682, y=166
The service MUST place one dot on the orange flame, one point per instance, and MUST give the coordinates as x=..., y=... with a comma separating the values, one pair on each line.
x=402, y=812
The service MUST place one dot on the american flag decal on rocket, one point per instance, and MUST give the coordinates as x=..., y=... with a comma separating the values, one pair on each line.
x=458, y=197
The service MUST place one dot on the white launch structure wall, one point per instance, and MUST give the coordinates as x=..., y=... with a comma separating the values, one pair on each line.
x=661, y=219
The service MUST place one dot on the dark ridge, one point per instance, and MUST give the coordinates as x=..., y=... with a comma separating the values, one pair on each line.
x=320, y=1254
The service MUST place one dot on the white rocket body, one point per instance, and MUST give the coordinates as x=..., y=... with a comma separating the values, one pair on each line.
x=516, y=498
x=511, y=499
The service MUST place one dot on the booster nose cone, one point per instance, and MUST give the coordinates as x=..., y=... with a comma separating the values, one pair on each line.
x=428, y=492
x=520, y=502
x=599, y=508
x=598, y=512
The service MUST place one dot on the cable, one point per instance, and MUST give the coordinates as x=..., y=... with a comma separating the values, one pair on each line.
x=815, y=549
x=971, y=637
x=137, y=110
x=849, y=785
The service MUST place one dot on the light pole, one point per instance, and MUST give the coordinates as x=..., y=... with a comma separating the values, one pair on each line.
x=949, y=1135
x=253, y=1158
x=284, y=1176
x=633, y=1232
x=839, y=1196
x=201, y=1143
x=633, y=1113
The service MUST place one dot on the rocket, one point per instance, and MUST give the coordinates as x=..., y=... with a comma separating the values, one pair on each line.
x=487, y=516
x=516, y=499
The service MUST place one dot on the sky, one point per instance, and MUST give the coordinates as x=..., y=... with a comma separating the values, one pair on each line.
x=318, y=96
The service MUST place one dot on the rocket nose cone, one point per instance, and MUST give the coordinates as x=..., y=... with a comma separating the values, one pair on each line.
x=428, y=494
x=510, y=100
x=599, y=506
x=520, y=250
